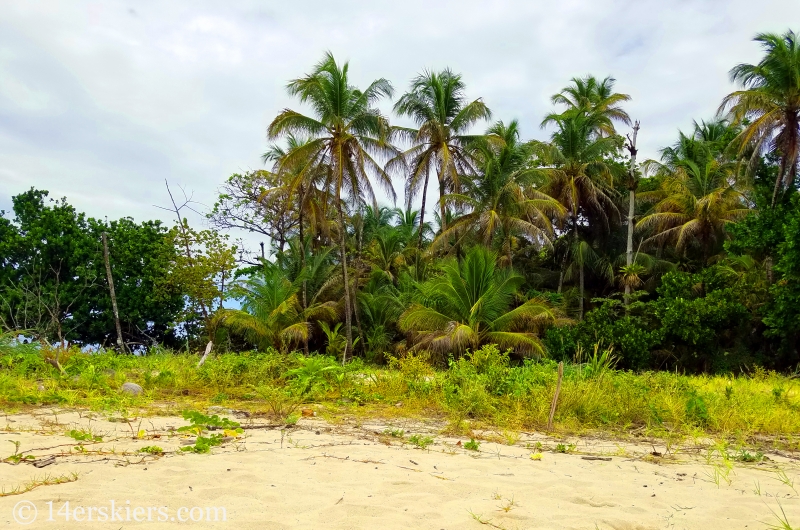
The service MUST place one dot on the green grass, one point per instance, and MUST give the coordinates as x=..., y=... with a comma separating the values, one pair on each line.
x=483, y=389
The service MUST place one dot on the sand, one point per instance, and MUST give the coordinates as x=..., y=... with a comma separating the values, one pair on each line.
x=318, y=475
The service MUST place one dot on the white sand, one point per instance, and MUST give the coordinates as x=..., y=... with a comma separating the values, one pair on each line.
x=347, y=477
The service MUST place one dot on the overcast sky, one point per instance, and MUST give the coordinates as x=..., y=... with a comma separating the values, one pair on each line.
x=102, y=101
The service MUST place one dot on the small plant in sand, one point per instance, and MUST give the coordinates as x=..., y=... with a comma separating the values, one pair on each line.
x=565, y=448
x=745, y=456
x=472, y=445
x=84, y=436
x=16, y=458
x=394, y=433
x=782, y=520
x=420, y=441
x=784, y=479
x=152, y=450
x=200, y=424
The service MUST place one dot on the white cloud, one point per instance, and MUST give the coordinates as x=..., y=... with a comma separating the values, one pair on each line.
x=103, y=101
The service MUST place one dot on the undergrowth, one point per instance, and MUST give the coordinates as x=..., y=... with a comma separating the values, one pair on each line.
x=483, y=387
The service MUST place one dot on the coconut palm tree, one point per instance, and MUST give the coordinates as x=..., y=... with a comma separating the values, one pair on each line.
x=769, y=104
x=271, y=313
x=345, y=133
x=471, y=305
x=575, y=173
x=596, y=99
x=698, y=197
x=504, y=206
x=436, y=102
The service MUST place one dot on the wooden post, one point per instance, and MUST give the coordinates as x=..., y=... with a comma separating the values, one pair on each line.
x=555, y=397
x=120, y=343
x=203, y=358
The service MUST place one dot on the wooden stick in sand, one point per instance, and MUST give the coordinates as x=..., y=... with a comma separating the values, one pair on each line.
x=208, y=350
x=555, y=397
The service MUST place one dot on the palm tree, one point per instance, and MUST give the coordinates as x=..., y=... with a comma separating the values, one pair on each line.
x=345, y=133
x=471, y=305
x=504, y=204
x=596, y=99
x=437, y=104
x=297, y=191
x=769, y=103
x=576, y=174
x=698, y=196
x=271, y=313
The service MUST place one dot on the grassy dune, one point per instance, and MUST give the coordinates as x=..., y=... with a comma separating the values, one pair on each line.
x=482, y=389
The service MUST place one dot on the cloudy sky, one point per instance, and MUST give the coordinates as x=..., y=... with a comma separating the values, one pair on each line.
x=102, y=101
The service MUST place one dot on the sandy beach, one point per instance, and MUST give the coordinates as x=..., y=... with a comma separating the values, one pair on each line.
x=318, y=475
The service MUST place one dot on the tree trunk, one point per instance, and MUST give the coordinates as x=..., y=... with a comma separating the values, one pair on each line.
x=632, y=185
x=443, y=214
x=304, y=300
x=580, y=302
x=422, y=211
x=348, y=326
x=120, y=343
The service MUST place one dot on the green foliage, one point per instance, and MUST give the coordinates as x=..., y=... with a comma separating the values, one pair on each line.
x=151, y=450
x=200, y=423
x=83, y=436
x=420, y=441
x=472, y=445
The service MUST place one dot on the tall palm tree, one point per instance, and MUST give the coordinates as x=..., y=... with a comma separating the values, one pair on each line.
x=471, y=305
x=770, y=104
x=346, y=131
x=504, y=204
x=575, y=173
x=298, y=191
x=436, y=102
x=596, y=99
x=698, y=197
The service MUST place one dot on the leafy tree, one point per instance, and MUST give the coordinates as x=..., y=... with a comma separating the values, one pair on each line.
x=53, y=279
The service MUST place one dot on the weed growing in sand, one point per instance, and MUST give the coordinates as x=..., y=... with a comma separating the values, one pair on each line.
x=47, y=480
x=84, y=436
x=394, y=433
x=784, y=479
x=472, y=445
x=508, y=505
x=783, y=521
x=487, y=522
x=746, y=456
x=200, y=423
x=16, y=458
x=420, y=441
x=564, y=448
x=152, y=450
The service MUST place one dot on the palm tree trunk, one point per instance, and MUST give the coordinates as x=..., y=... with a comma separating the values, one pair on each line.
x=580, y=302
x=348, y=326
x=631, y=205
x=303, y=259
x=422, y=211
x=442, y=213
